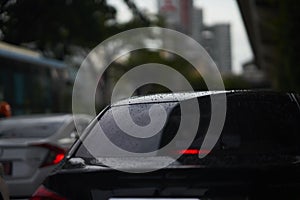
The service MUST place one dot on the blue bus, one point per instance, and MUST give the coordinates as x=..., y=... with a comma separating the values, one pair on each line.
x=31, y=83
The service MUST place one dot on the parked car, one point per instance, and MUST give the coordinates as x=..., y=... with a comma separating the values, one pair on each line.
x=4, y=195
x=256, y=157
x=32, y=146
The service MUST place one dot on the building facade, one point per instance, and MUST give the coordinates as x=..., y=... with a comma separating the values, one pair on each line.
x=217, y=42
x=181, y=15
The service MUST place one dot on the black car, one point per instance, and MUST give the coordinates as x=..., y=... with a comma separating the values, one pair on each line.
x=257, y=155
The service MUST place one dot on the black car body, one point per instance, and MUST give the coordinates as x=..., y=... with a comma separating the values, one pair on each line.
x=256, y=157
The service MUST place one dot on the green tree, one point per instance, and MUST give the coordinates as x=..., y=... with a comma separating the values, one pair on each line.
x=287, y=70
x=56, y=26
x=279, y=21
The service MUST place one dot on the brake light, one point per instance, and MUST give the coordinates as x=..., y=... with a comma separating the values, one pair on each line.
x=194, y=151
x=58, y=158
x=44, y=194
x=55, y=155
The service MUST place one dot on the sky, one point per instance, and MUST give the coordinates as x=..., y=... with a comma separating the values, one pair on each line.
x=215, y=11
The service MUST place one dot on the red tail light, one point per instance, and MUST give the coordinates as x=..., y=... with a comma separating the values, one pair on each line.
x=44, y=194
x=194, y=151
x=54, y=156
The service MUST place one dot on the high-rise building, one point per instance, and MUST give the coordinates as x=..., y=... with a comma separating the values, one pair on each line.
x=182, y=16
x=186, y=15
x=178, y=14
x=197, y=24
x=216, y=40
x=169, y=10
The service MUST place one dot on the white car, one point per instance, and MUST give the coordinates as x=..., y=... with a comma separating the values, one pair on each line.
x=32, y=146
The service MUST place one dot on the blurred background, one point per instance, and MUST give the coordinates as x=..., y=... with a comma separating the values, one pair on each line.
x=254, y=43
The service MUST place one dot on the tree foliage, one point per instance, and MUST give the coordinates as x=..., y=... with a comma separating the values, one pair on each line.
x=287, y=70
x=280, y=23
x=54, y=26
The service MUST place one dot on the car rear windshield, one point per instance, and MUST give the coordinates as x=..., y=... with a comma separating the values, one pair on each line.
x=13, y=130
x=263, y=125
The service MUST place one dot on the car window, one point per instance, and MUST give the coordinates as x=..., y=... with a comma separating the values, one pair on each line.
x=81, y=125
x=140, y=115
x=263, y=122
x=255, y=124
x=29, y=130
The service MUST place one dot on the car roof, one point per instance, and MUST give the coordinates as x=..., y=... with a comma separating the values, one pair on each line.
x=182, y=96
x=37, y=118
x=166, y=97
